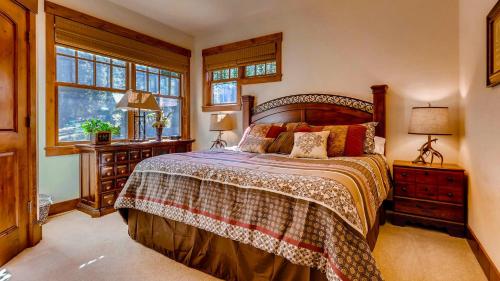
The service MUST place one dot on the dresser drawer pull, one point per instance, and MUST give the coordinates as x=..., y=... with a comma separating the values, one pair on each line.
x=108, y=174
x=404, y=188
x=404, y=174
x=426, y=173
x=450, y=179
x=110, y=202
x=450, y=194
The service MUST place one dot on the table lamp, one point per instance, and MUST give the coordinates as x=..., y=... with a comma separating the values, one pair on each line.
x=137, y=102
x=429, y=121
x=220, y=122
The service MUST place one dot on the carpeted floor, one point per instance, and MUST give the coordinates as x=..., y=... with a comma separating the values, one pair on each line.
x=77, y=247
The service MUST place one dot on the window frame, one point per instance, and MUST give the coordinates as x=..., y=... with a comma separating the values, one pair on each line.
x=53, y=147
x=208, y=105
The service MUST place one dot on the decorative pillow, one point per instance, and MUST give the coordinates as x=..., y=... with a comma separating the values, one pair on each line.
x=345, y=140
x=255, y=144
x=379, y=145
x=245, y=135
x=307, y=128
x=310, y=145
x=258, y=130
x=291, y=126
x=369, y=145
x=275, y=131
x=283, y=144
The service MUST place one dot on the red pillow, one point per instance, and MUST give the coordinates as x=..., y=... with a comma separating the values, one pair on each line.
x=355, y=139
x=275, y=131
x=308, y=129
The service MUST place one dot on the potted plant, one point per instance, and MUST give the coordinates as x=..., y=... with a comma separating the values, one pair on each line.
x=99, y=131
x=160, y=121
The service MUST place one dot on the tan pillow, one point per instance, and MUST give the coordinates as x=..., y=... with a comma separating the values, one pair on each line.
x=282, y=144
x=255, y=144
x=310, y=145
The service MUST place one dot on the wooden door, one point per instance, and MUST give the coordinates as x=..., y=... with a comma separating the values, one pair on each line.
x=14, y=106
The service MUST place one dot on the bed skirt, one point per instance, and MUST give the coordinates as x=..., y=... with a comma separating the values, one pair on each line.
x=218, y=256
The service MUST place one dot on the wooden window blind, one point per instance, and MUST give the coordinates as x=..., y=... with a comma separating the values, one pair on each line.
x=78, y=35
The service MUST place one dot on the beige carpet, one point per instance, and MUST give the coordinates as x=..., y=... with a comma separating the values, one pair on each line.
x=77, y=247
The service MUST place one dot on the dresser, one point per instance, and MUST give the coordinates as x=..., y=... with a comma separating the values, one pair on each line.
x=104, y=170
x=431, y=195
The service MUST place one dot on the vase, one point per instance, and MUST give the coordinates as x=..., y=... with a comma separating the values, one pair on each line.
x=159, y=132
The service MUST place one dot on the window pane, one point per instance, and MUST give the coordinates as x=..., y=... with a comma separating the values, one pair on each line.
x=140, y=81
x=224, y=92
x=153, y=69
x=175, y=89
x=225, y=74
x=175, y=74
x=76, y=105
x=260, y=69
x=234, y=72
x=271, y=67
x=85, y=72
x=119, y=78
x=102, y=59
x=250, y=70
x=164, y=72
x=171, y=106
x=119, y=62
x=164, y=85
x=140, y=67
x=64, y=50
x=153, y=83
x=216, y=75
x=85, y=55
x=103, y=75
x=65, y=69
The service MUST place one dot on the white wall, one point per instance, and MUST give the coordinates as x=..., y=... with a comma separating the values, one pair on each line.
x=345, y=46
x=480, y=148
x=59, y=176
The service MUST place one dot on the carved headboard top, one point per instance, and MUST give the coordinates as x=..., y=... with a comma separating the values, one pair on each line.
x=319, y=109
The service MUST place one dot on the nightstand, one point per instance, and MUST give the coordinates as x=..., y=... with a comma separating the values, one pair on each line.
x=431, y=195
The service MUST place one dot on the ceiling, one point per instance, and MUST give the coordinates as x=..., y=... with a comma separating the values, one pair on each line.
x=197, y=16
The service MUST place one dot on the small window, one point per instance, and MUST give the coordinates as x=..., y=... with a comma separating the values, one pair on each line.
x=261, y=69
x=224, y=86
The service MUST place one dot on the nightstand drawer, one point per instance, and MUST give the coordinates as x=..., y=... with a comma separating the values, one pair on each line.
x=107, y=186
x=430, y=209
x=405, y=189
x=121, y=156
x=107, y=157
x=135, y=155
x=404, y=175
x=107, y=171
x=146, y=153
x=451, y=194
x=122, y=170
x=108, y=199
x=426, y=191
x=120, y=183
x=451, y=179
x=427, y=177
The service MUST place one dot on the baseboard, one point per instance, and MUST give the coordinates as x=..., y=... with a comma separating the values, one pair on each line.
x=62, y=207
x=482, y=257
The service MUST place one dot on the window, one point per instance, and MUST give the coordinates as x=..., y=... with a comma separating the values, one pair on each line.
x=166, y=87
x=88, y=86
x=230, y=66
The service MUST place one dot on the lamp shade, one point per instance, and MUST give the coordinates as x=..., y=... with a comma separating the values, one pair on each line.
x=133, y=100
x=429, y=121
x=221, y=122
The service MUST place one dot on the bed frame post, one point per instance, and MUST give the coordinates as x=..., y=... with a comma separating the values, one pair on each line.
x=248, y=103
x=379, y=108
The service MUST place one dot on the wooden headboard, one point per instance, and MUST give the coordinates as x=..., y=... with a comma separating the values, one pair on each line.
x=318, y=109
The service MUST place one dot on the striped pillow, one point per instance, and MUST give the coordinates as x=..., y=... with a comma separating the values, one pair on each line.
x=283, y=144
x=345, y=140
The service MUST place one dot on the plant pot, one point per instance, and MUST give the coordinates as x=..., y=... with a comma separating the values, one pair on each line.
x=159, y=132
x=100, y=138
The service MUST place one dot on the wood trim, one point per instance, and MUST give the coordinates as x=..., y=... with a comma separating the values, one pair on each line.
x=248, y=103
x=30, y=5
x=61, y=11
x=60, y=150
x=262, y=79
x=379, y=108
x=65, y=206
x=243, y=44
x=489, y=268
x=50, y=93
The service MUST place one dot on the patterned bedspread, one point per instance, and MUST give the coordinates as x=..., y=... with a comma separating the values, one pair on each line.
x=312, y=212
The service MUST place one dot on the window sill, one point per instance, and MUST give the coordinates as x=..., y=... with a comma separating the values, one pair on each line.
x=60, y=150
x=262, y=79
x=228, y=107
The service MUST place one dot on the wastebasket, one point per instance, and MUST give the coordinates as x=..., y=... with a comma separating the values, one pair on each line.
x=44, y=202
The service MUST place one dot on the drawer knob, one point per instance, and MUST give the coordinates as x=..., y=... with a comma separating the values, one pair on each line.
x=450, y=194
x=108, y=159
x=426, y=189
x=404, y=174
x=110, y=202
x=449, y=179
x=108, y=174
x=426, y=173
x=404, y=188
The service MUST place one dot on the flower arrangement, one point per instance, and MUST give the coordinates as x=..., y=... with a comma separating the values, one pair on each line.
x=160, y=120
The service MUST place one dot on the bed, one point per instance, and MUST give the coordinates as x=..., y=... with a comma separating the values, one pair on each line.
x=247, y=216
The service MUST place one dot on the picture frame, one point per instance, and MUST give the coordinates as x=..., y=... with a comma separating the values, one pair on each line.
x=101, y=138
x=493, y=46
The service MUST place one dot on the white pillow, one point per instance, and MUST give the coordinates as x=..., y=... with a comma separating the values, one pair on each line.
x=310, y=145
x=379, y=145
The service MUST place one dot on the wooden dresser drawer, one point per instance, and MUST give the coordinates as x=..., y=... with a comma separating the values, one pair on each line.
x=120, y=183
x=135, y=155
x=108, y=199
x=451, y=179
x=404, y=175
x=427, y=177
x=107, y=185
x=121, y=156
x=107, y=157
x=453, y=194
x=107, y=171
x=405, y=189
x=430, y=209
x=132, y=166
x=426, y=191
x=146, y=153
x=122, y=170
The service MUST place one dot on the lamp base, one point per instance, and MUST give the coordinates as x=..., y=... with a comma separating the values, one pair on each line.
x=425, y=150
x=219, y=142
